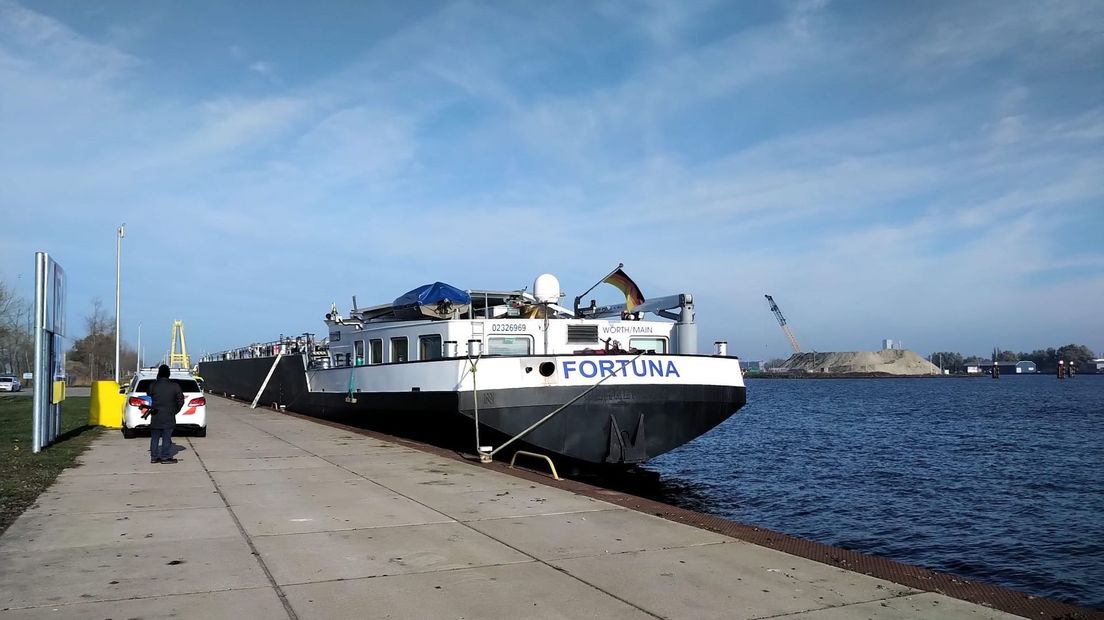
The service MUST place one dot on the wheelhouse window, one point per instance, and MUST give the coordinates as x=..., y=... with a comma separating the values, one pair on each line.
x=429, y=347
x=399, y=349
x=358, y=353
x=652, y=345
x=509, y=345
x=375, y=351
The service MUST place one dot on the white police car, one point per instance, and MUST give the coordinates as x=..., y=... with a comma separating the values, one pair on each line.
x=192, y=416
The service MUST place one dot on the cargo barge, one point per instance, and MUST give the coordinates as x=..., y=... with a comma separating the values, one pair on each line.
x=598, y=385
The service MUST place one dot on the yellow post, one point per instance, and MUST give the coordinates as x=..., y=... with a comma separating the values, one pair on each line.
x=107, y=405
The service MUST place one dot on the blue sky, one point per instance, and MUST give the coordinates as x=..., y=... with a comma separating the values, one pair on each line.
x=929, y=172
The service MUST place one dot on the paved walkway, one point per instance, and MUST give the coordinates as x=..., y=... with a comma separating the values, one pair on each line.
x=271, y=516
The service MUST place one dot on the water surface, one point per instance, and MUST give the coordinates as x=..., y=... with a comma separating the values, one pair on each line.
x=1000, y=481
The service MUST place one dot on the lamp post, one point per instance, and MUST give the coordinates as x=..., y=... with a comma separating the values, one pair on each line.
x=118, y=262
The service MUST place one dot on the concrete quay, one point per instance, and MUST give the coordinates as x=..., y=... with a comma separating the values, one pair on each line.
x=274, y=516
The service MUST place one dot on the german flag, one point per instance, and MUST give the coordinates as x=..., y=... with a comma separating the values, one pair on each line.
x=633, y=296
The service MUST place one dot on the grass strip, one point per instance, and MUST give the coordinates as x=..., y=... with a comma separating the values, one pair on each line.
x=23, y=474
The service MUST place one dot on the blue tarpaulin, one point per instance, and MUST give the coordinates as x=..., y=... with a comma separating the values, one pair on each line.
x=432, y=295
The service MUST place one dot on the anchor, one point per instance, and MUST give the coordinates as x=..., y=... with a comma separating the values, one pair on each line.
x=624, y=450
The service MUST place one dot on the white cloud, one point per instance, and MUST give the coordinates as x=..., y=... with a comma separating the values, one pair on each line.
x=801, y=14
x=32, y=40
x=664, y=24
x=264, y=68
x=436, y=156
x=963, y=34
x=581, y=128
x=229, y=123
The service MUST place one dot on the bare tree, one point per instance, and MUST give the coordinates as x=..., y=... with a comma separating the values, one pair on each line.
x=98, y=322
x=16, y=335
x=93, y=356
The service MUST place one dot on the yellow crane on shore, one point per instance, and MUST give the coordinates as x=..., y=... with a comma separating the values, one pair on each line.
x=178, y=360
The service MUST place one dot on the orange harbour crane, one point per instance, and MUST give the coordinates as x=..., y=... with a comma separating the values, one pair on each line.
x=782, y=324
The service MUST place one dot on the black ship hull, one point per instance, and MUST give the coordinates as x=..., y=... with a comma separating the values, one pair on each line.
x=612, y=424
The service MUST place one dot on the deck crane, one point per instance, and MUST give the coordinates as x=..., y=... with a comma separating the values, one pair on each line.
x=782, y=324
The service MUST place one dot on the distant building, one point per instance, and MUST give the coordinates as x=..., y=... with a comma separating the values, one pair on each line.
x=751, y=366
x=1093, y=367
x=1007, y=368
x=889, y=344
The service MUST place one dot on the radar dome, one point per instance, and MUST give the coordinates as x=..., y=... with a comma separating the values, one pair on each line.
x=546, y=288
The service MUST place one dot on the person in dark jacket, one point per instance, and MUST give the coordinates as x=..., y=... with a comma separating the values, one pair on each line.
x=167, y=398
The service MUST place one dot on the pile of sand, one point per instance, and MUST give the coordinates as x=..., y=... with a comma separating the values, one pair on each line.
x=890, y=361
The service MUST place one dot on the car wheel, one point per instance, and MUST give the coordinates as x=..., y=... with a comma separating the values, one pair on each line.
x=128, y=433
x=201, y=432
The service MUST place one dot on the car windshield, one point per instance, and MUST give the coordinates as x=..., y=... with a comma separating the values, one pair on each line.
x=7, y=379
x=187, y=385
